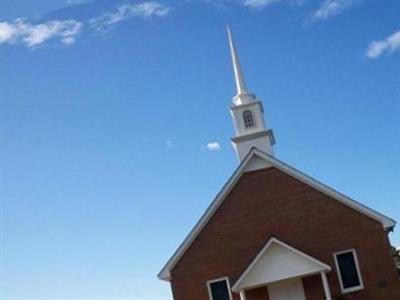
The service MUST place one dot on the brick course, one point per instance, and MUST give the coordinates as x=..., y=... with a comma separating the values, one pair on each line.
x=268, y=203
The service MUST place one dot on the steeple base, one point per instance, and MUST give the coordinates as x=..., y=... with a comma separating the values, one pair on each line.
x=262, y=140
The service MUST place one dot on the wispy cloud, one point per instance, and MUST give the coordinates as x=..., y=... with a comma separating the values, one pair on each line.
x=259, y=3
x=21, y=31
x=33, y=34
x=331, y=8
x=77, y=2
x=169, y=144
x=127, y=11
x=389, y=44
x=213, y=146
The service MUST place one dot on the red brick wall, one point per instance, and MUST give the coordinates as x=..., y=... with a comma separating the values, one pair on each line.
x=269, y=203
x=313, y=287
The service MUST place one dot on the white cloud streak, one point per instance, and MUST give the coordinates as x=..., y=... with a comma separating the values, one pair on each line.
x=213, y=146
x=32, y=35
x=169, y=144
x=127, y=11
x=390, y=44
x=259, y=3
x=77, y=2
x=331, y=8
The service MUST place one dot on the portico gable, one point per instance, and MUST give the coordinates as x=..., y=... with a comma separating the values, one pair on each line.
x=279, y=261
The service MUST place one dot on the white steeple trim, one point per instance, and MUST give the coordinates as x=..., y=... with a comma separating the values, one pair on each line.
x=242, y=94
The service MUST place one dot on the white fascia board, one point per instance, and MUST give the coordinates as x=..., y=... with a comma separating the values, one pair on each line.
x=273, y=162
x=165, y=273
x=323, y=188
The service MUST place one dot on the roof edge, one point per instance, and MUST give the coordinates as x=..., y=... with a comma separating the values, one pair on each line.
x=165, y=273
x=387, y=222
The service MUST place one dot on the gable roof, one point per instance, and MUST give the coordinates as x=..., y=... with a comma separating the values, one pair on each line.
x=255, y=160
x=277, y=261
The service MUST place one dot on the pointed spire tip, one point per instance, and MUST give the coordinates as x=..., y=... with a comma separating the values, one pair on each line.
x=239, y=78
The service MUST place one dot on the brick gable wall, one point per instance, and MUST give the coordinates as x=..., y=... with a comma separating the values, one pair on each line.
x=268, y=203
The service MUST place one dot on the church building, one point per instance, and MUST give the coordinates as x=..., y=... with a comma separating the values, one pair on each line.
x=275, y=233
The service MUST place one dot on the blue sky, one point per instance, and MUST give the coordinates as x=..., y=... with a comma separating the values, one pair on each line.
x=107, y=109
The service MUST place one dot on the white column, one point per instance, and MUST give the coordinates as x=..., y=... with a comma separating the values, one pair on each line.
x=242, y=295
x=326, y=286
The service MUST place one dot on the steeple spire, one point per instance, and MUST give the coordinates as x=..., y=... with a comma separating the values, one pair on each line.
x=242, y=94
x=247, y=113
x=241, y=87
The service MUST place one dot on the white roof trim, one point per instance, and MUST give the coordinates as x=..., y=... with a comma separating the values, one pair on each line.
x=323, y=188
x=237, y=286
x=165, y=272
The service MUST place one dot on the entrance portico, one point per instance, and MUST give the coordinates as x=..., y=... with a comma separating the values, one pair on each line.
x=279, y=268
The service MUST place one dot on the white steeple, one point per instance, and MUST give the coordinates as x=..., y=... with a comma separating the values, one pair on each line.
x=247, y=114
